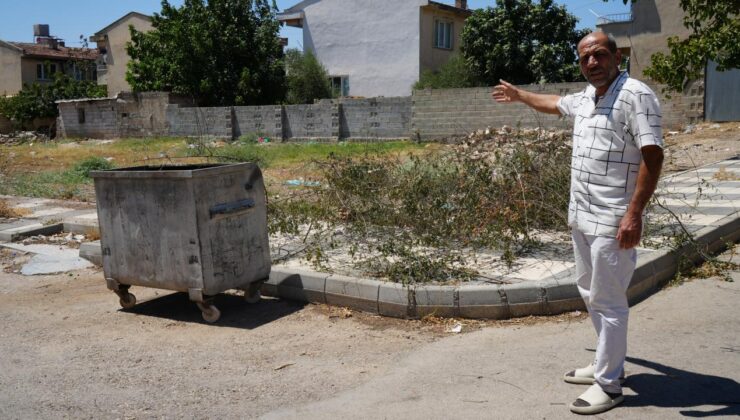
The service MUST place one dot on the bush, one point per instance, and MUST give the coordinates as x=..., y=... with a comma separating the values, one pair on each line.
x=82, y=169
x=415, y=219
x=455, y=73
x=38, y=101
x=307, y=79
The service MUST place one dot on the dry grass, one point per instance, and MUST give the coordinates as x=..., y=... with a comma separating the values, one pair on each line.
x=9, y=212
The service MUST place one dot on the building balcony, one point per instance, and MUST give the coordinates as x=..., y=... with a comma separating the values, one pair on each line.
x=616, y=18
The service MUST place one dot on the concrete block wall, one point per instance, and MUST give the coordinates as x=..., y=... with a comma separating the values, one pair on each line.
x=312, y=121
x=680, y=109
x=142, y=114
x=199, y=121
x=100, y=118
x=374, y=118
x=449, y=112
x=262, y=120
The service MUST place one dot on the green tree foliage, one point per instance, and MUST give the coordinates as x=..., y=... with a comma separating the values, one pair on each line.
x=523, y=42
x=307, y=78
x=37, y=100
x=716, y=31
x=220, y=52
x=455, y=73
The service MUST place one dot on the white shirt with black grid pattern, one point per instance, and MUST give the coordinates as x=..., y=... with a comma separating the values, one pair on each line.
x=607, y=137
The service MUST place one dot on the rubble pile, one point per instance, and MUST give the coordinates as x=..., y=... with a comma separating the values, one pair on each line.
x=486, y=143
x=21, y=137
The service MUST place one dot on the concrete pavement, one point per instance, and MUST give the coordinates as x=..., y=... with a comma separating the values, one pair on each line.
x=683, y=361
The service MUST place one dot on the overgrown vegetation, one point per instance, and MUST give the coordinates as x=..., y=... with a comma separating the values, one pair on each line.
x=715, y=26
x=455, y=73
x=220, y=52
x=37, y=100
x=307, y=78
x=522, y=42
x=418, y=218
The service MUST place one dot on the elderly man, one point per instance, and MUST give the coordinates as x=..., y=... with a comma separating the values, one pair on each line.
x=617, y=157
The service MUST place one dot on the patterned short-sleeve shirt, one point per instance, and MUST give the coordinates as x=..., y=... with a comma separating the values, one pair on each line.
x=607, y=137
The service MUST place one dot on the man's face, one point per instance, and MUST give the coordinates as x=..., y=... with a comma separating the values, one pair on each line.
x=598, y=65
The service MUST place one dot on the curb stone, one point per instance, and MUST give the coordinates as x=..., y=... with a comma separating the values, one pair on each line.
x=553, y=296
x=12, y=234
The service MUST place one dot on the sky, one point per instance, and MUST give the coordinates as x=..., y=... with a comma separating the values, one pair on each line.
x=68, y=19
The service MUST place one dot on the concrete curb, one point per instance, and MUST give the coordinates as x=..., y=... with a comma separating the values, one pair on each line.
x=10, y=235
x=551, y=296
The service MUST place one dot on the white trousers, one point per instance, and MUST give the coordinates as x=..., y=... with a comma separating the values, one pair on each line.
x=603, y=273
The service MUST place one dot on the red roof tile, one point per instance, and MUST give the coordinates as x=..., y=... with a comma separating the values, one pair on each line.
x=45, y=51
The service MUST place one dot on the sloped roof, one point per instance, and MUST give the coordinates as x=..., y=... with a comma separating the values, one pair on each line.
x=121, y=19
x=45, y=51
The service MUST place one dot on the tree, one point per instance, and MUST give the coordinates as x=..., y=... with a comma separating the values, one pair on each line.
x=307, y=78
x=455, y=73
x=523, y=42
x=38, y=100
x=219, y=52
x=716, y=28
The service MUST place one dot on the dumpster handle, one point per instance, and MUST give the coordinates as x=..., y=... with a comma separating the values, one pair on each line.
x=228, y=208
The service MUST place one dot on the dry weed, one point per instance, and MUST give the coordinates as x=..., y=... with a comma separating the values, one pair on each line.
x=9, y=212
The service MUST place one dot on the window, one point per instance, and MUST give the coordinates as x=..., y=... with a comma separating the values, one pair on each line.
x=45, y=71
x=443, y=34
x=340, y=85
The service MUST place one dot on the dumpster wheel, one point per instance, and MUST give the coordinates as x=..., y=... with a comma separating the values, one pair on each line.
x=252, y=293
x=209, y=312
x=126, y=299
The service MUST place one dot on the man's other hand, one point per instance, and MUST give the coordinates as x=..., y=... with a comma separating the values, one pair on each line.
x=505, y=92
x=630, y=230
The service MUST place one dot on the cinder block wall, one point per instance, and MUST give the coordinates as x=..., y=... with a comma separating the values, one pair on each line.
x=448, y=112
x=263, y=120
x=201, y=121
x=92, y=118
x=382, y=118
x=428, y=114
x=314, y=121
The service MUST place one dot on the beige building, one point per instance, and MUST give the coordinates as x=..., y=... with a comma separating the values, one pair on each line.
x=379, y=47
x=24, y=63
x=645, y=31
x=113, y=59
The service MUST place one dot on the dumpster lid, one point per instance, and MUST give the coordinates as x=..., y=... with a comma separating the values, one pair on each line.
x=172, y=171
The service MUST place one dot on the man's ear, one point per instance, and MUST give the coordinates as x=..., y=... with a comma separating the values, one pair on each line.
x=618, y=56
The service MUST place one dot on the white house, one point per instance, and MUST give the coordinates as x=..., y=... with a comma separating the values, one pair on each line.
x=378, y=47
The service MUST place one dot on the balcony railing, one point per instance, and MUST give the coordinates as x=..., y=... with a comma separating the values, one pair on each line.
x=617, y=18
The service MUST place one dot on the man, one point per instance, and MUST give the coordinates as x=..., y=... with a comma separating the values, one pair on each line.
x=617, y=157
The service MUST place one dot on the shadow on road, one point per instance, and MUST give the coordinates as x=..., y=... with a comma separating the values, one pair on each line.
x=235, y=312
x=682, y=389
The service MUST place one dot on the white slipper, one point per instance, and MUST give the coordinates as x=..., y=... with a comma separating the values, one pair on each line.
x=595, y=401
x=585, y=376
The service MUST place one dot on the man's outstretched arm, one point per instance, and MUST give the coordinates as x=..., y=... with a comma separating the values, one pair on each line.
x=506, y=92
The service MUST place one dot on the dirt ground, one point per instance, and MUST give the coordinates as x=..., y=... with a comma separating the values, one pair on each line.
x=67, y=350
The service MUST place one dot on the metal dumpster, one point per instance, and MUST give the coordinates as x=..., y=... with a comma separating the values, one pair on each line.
x=200, y=229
